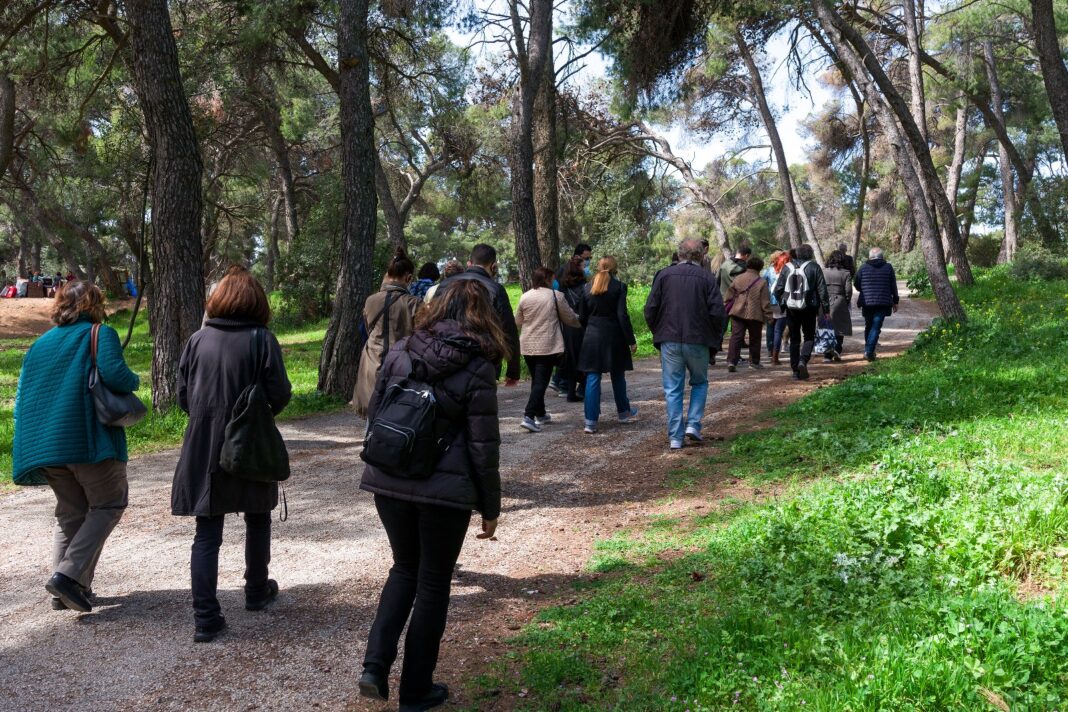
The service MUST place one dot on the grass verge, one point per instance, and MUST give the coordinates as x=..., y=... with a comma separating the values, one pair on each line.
x=915, y=562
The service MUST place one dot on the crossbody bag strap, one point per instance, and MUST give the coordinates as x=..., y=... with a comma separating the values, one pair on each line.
x=94, y=336
x=385, y=327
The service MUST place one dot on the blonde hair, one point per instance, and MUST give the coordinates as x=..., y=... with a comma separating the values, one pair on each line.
x=75, y=299
x=606, y=267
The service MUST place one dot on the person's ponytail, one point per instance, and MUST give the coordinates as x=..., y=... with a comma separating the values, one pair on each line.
x=606, y=267
x=400, y=266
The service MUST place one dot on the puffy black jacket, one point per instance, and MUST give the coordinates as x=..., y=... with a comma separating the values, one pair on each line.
x=502, y=305
x=467, y=476
x=877, y=284
x=685, y=306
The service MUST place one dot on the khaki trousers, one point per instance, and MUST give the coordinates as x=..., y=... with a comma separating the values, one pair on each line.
x=90, y=499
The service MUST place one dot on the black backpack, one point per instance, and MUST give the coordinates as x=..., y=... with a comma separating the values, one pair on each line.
x=409, y=432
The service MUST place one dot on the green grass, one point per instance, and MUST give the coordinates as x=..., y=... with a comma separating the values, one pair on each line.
x=300, y=344
x=915, y=561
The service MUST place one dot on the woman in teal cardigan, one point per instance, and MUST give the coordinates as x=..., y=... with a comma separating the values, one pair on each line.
x=67, y=448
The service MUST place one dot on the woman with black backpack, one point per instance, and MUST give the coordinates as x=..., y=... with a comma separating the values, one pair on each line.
x=219, y=362
x=452, y=353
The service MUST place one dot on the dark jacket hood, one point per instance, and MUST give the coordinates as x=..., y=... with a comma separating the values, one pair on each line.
x=444, y=349
x=877, y=262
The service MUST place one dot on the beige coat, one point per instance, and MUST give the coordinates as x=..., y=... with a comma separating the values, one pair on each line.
x=538, y=317
x=754, y=305
x=402, y=313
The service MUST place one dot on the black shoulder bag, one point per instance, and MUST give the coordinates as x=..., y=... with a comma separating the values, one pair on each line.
x=116, y=410
x=253, y=449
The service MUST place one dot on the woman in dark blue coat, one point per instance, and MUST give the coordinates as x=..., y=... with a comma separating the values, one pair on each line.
x=608, y=344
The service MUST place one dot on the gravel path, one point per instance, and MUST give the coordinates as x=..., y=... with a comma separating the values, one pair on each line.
x=563, y=490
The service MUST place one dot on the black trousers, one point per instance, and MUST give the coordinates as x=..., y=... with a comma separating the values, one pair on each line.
x=204, y=563
x=426, y=540
x=801, y=321
x=541, y=370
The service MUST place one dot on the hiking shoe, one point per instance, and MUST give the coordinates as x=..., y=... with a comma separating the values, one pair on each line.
x=836, y=356
x=531, y=425
x=208, y=633
x=258, y=604
x=796, y=376
x=555, y=387
x=573, y=399
x=374, y=685
x=802, y=371
x=544, y=420
x=694, y=434
x=676, y=445
x=57, y=603
x=869, y=357
x=756, y=366
x=731, y=367
x=70, y=593
x=437, y=696
x=590, y=428
x=629, y=417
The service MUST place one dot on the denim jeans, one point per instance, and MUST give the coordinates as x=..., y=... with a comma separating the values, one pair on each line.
x=204, y=563
x=676, y=360
x=873, y=326
x=774, y=333
x=426, y=540
x=592, y=404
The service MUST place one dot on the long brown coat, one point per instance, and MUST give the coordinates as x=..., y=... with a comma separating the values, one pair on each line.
x=840, y=291
x=752, y=305
x=402, y=311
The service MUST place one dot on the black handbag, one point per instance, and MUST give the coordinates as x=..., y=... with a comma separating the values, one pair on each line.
x=116, y=410
x=253, y=449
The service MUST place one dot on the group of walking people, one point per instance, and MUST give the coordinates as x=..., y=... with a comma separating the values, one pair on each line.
x=453, y=337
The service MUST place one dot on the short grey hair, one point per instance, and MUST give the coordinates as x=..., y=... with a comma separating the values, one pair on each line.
x=690, y=249
x=875, y=253
x=843, y=247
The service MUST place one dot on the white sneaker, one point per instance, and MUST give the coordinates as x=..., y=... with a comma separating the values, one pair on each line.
x=544, y=420
x=590, y=428
x=531, y=425
x=693, y=434
x=676, y=444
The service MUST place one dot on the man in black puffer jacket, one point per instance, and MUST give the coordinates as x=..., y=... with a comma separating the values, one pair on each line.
x=877, y=284
x=426, y=520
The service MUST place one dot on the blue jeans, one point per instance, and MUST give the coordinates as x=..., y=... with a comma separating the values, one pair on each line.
x=873, y=326
x=675, y=361
x=592, y=402
x=774, y=333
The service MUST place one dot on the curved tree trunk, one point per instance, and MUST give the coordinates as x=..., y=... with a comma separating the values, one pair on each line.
x=1008, y=185
x=177, y=302
x=865, y=169
x=806, y=223
x=1054, y=73
x=394, y=220
x=340, y=357
x=793, y=222
x=960, y=145
x=546, y=148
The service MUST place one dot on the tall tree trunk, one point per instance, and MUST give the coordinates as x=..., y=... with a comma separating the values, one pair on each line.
x=806, y=223
x=533, y=58
x=35, y=256
x=394, y=219
x=756, y=85
x=913, y=30
x=177, y=303
x=1054, y=73
x=960, y=145
x=865, y=169
x=908, y=232
x=968, y=214
x=340, y=358
x=546, y=149
x=24, y=253
x=272, y=121
x=270, y=261
x=856, y=57
x=1008, y=184
x=7, y=121
x=917, y=145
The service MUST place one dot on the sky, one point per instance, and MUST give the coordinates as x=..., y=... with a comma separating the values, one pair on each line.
x=791, y=106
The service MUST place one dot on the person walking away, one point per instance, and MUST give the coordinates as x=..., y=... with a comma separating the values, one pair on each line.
x=572, y=381
x=452, y=268
x=802, y=289
x=457, y=343
x=840, y=292
x=609, y=343
x=685, y=314
x=584, y=253
x=726, y=274
x=427, y=278
x=777, y=327
x=82, y=460
x=218, y=363
x=750, y=308
x=390, y=316
x=541, y=315
x=877, y=284
x=848, y=263
x=482, y=268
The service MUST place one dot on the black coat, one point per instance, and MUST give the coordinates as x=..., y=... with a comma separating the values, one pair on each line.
x=609, y=334
x=502, y=305
x=573, y=335
x=685, y=307
x=467, y=476
x=217, y=364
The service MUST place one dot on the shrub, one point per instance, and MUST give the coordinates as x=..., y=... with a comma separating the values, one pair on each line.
x=983, y=250
x=1039, y=263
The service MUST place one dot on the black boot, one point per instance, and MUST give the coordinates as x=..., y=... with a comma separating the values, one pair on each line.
x=69, y=592
x=437, y=696
x=374, y=683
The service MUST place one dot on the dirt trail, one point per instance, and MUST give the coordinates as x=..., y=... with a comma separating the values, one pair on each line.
x=563, y=491
x=22, y=318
